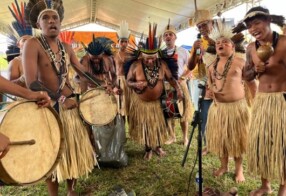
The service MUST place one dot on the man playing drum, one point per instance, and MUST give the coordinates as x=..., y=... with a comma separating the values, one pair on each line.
x=182, y=56
x=45, y=61
x=145, y=77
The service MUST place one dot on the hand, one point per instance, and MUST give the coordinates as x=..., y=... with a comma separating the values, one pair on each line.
x=4, y=145
x=42, y=98
x=70, y=104
x=197, y=44
x=209, y=93
x=140, y=85
x=180, y=94
x=260, y=67
x=117, y=91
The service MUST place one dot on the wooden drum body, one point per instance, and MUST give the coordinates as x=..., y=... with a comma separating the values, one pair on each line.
x=28, y=164
x=97, y=107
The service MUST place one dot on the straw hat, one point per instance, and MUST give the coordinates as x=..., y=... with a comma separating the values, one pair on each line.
x=170, y=28
x=200, y=16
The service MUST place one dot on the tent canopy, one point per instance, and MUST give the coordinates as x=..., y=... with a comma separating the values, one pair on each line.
x=138, y=13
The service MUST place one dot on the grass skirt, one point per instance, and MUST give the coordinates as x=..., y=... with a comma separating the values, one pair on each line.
x=124, y=97
x=267, y=137
x=146, y=122
x=227, y=128
x=188, y=107
x=78, y=156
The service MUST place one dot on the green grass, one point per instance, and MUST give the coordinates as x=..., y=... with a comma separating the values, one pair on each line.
x=158, y=177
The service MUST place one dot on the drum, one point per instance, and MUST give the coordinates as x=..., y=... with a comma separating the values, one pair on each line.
x=97, y=108
x=36, y=137
x=172, y=108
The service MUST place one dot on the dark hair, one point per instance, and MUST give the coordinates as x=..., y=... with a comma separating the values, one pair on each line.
x=258, y=16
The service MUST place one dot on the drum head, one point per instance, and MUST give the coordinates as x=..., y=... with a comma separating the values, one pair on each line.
x=97, y=107
x=27, y=164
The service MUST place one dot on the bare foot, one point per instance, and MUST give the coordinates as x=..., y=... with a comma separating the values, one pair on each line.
x=239, y=177
x=220, y=171
x=261, y=191
x=160, y=152
x=170, y=141
x=186, y=141
x=148, y=155
x=205, y=151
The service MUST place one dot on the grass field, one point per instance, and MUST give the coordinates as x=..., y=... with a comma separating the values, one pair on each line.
x=158, y=177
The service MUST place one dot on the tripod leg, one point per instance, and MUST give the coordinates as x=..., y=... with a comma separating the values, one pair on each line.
x=188, y=146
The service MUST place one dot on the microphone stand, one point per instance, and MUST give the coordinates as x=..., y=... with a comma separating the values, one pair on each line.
x=197, y=121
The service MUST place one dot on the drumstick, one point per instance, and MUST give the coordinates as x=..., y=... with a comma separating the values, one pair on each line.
x=27, y=142
x=119, y=97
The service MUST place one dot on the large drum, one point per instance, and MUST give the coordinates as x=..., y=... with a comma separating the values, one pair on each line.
x=36, y=137
x=172, y=108
x=97, y=108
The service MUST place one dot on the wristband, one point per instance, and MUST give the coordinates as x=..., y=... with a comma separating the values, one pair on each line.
x=62, y=99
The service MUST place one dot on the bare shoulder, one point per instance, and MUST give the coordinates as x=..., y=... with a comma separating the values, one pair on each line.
x=32, y=42
x=250, y=46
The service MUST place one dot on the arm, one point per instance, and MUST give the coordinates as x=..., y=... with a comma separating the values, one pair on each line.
x=194, y=59
x=248, y=72
x=14, y=74
x=137, y=86
x=169, y=77
x=30, y=60
x=8, y=87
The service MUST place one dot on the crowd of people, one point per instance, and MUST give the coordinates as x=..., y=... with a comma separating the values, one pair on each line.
x=145, y=75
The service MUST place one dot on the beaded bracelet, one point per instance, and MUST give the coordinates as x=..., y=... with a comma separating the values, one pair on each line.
x=62, y=99
x=22, y=79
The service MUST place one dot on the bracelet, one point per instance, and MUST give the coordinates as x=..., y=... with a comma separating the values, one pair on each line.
x=62, y=99
x=22, y=79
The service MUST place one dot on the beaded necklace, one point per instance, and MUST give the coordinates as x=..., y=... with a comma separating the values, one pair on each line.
x=151, y=74
x=59, y=65
x=223, y=76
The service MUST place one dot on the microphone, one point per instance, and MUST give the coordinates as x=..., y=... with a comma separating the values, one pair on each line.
x=198, y=51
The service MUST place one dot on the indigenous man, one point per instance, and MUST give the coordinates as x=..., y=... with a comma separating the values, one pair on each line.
x=45, y=62
x=228, y=118
x=120, y=58
x=145, y=77
x=201, y=58
x=266, y=149
x=24, y=31
x=42, y=98
x=182, y=57
x=15, y=70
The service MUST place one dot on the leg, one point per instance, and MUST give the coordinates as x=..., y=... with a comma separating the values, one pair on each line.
x=160, y=152
x=171, y=130
x=264, y=189
x=282, y=190
x=184, y=127
x=52, y=187
x=223, y=168
x=239, y=177
x=148, y=153
x=71, y=184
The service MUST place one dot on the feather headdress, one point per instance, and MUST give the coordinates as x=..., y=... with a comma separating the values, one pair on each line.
x=35, y=9
x=99, y=45
x=221, y=29
x=20, y=24
x=258, y=12
x=123, y=32
x=66, y=36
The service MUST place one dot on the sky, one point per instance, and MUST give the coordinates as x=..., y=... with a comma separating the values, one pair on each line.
x=187, y=37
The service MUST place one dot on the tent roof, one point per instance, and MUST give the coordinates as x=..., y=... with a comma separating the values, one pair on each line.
x=138, y=13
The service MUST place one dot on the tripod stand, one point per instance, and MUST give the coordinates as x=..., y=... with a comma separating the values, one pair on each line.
x=197, y=121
